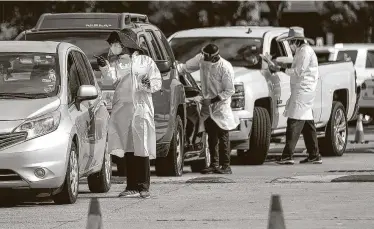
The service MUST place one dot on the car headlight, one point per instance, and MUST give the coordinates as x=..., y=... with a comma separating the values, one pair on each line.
x=238, y=99
x=108, y=99
x=40, y=126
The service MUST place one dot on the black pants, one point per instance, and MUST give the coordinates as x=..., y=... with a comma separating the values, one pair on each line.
x=294, y=129
x=137, y=172
x=218, y=139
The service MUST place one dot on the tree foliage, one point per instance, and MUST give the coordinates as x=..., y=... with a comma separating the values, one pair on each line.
x=350, y=17
x=170, y=16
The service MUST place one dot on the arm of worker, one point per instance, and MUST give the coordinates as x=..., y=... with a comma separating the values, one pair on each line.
x=108, y=73
x=193, y=64
x=152, y=81
x=301, y=62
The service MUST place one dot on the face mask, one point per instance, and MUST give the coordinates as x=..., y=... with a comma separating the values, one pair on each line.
x=116, y=48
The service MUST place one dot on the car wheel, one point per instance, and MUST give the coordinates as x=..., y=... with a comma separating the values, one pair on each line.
x=335, y=140
x=172, y=164
x=100, y=182
x=197, y=166
x=260, y=137
x=69, y=192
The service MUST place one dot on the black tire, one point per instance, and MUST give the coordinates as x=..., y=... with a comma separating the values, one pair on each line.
x=168, y=166
x=197, y=166
x=327, y=145
x=100, y=182
x=260, y=137
x=66, y=196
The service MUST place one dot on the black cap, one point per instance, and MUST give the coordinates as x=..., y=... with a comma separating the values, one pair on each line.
x=126, y=37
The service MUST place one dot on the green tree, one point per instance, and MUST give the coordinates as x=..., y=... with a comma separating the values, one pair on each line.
x=276, y=9
x=349, y=17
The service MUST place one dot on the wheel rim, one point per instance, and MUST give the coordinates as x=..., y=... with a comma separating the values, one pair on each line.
x=74, y=177
x=108, y=165
x=179, y=153
x=340, y=130
x=207, y=153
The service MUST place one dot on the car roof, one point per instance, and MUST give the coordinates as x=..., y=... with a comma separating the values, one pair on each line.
x=353, y=46
x=33, y=46
x=228, y=31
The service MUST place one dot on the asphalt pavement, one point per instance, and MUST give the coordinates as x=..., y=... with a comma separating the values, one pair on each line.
x=310, y=198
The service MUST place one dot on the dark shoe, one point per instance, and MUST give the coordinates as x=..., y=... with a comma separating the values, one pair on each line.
x=225, y=170
x=209, y=170
x=312, y=160
x=129, y=194
x=145, y=194
x=286, y=161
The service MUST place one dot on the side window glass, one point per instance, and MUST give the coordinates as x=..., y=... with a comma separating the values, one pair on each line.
x=81, y=68
x=155, y=46
x=370, y=59
x=88, y=69
x=347, y=55
x=276, y=49
x=73, y=79
x=143, y=44
x=166, y=44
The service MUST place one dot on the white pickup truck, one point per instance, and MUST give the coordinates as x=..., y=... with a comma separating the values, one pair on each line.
x=261, y=94
x=362, y=56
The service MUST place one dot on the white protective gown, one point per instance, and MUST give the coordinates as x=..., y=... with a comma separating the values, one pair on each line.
x=304, y=80
x=217, y=79
x=131, y=124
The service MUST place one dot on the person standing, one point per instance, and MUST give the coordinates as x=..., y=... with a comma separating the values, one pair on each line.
x=131, y=127
x=217, y=84
x=299, y=108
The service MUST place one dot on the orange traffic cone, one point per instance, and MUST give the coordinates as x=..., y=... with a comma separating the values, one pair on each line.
x=359, y=136
x=94, y=220
x=276, y=219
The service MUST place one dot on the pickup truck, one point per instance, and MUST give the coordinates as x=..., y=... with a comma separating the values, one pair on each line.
x=89, y=32
x=362, y=56
x=261, y=94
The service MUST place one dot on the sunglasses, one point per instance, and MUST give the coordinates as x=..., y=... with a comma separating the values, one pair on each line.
x=210, y=57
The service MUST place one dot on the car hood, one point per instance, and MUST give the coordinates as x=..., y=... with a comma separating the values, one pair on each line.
x=242, y=74
x=20, y=109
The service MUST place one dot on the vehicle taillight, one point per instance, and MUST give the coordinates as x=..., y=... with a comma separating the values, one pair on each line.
x=238, y=99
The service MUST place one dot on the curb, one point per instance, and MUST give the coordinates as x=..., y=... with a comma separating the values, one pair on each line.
x=325, y=179
x=354, y=178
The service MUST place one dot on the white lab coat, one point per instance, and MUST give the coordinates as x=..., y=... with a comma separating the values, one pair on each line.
x=304, y=80
x=216, y=80
x=131, y=125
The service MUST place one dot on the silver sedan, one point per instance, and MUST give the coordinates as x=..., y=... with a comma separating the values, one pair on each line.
x=53, y=122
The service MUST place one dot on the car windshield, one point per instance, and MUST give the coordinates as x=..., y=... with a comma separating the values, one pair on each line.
x=91, y=43
x=240, y=52
x=29, y=74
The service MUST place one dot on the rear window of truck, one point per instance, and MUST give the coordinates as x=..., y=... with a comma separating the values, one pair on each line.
x=347, y=55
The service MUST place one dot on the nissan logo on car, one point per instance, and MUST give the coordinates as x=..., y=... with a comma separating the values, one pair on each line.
x=99, y=25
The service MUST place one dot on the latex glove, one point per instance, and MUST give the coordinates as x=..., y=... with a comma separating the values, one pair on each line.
x=206, y=102
x=101, y=61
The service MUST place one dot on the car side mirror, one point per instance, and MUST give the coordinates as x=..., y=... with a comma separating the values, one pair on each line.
x=86, y=92
x=191, y=92
x=163, y=65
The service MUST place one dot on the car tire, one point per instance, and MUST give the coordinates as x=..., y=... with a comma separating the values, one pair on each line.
x=260, y=137
x=330, y=144
x=69, y=192
x=197, y=166
x=100, y=182
x=172, y=164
